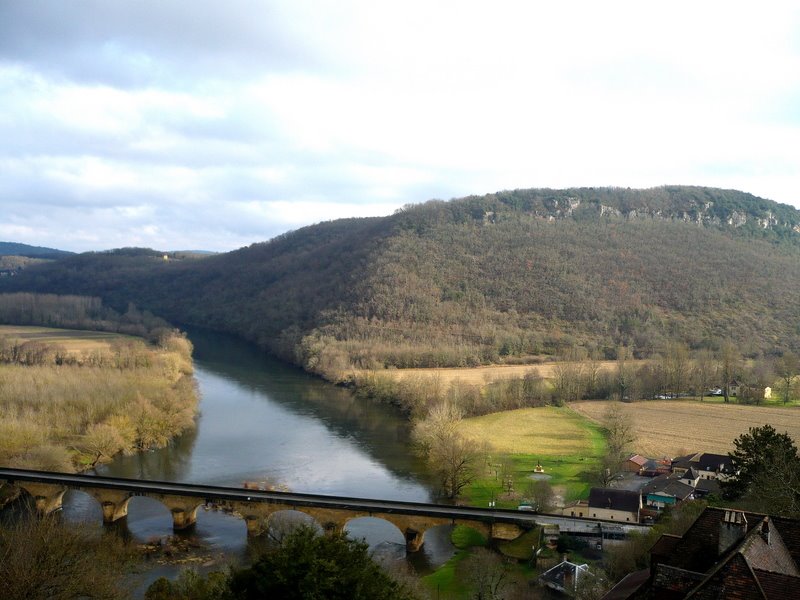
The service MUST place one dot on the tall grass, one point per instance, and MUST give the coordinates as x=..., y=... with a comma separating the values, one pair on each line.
x=67, y=416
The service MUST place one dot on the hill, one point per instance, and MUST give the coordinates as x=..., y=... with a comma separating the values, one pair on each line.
x=15, y=249
x=482, y=279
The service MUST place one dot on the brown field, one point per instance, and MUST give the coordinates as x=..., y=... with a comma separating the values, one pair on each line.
x=72, y=340
x=677, y=427
x=488, y=374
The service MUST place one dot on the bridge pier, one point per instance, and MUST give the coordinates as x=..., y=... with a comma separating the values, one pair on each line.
x=113, y=502
x=414, y=540
x=183, y=519
x=47, y=497
x=255, y=525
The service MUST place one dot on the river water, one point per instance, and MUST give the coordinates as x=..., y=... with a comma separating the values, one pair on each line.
x=262, y=420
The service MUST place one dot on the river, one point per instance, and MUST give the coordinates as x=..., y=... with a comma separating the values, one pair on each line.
x=262, y=420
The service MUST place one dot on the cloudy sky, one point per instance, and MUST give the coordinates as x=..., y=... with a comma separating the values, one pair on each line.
x=212, y=125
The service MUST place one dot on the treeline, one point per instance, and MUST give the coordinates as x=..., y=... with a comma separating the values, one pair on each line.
x=79, y=312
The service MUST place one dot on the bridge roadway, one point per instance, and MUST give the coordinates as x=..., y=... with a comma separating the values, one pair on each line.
x=256, y=506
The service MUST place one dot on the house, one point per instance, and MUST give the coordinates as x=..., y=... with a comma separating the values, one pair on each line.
x=656, y=466
x=634, y=464
x=564, y=577
x=690, y=477
x=705, y=464
x=726, y=553
x=707, y=487
x=666, y=491
x=617, y=505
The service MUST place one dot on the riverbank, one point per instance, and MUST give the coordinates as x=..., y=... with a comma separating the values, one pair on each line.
x=73, y=399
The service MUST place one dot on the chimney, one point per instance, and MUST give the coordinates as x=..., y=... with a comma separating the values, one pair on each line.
x=765, y=530
x=732, y=529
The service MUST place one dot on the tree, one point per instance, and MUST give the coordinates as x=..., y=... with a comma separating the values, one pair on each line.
x=728, y=367
x=787, y=367
x=43, y=559
x=569, y=381
x=762, y=459
x=451, y=456
x=624, y=374
x=190, y=586
x=485, y=573
x=620, y=436
x=102, y=441
x=703, y=372
x=309, y=566
x=541, y=495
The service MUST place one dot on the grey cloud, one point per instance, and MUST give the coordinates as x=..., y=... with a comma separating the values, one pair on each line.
x=137, y=43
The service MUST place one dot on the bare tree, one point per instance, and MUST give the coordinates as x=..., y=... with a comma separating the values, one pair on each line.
x=620, y=436
x=44, y=559
x=729, y=367
x=540, y=493
x=625, y=374
x=676, y=362
x=568, y=376
x=486, y=573
x=450, y=455
x=787, y=368
x=703, y=372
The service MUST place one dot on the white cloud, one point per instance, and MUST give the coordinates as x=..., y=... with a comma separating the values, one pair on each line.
x=224, y=125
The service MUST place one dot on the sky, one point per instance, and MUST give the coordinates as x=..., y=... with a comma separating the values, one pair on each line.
x=213, y=125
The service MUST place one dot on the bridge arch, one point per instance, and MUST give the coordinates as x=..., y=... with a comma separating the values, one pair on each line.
x=81, y=506
x=150, y=518
x=374, y=530
x=282, y=522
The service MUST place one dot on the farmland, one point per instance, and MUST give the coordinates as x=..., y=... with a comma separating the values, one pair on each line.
x=72, y=340
x=675, y=427
x=481, y=376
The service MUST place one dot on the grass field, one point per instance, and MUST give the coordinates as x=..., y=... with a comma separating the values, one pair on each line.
x=676, y=427
x=72, y=340
x=566, y=444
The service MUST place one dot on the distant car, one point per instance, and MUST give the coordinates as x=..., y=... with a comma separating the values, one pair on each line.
x=525, y=506
x=715, y=392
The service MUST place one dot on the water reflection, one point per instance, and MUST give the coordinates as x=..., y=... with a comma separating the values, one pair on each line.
x=265, y=421
x=262, y=420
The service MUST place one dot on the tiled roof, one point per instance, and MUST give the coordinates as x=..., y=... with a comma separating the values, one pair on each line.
x=702, y=461
x=777, y=586
x=709, y=486
x=762, y=564
x=624, y=500
x=638, y=459
x=671, y=487
x=699, y=547
x=629, y=584
x=734, y=580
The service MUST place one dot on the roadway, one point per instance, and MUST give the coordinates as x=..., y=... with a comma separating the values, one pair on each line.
x=211, y=494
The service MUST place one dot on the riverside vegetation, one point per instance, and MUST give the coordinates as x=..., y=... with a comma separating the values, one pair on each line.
x=66, y=405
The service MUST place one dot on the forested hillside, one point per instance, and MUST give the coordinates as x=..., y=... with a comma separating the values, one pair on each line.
x=15, y=249
x=483, y=279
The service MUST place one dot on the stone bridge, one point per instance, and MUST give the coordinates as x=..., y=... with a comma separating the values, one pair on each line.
x=256, y=507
